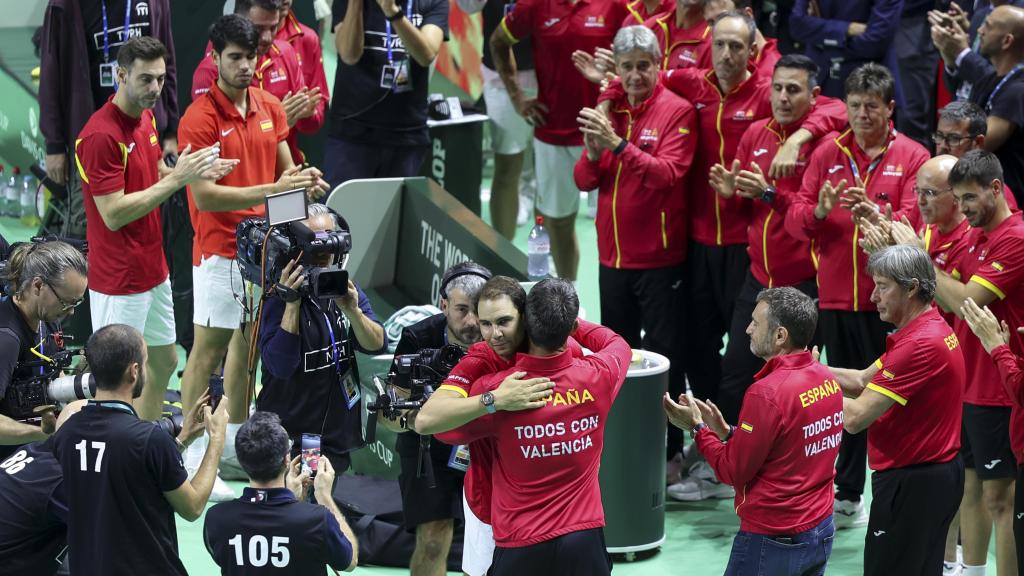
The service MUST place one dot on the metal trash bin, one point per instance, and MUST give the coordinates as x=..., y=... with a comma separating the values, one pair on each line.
x=633, y=463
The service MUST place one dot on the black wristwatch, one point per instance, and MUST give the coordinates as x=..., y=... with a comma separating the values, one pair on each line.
x=697, y=429
x=396, y=16
x=487, y=399
x=768, y=196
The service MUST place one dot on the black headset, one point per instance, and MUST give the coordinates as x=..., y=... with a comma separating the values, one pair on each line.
x=467, y=268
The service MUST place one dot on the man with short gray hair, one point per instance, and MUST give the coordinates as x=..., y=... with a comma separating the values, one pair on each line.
x=650, y=133
x=911, y=399
x=780, y=458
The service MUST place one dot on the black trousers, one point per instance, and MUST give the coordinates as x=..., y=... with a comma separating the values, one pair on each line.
x=652, y=301
x=852, y=340
x=739, y=364
x=714, y=277
x=579, y=553
x=1018, y=519
x=911, y=509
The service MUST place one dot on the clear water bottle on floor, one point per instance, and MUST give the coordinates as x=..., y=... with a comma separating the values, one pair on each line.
x=538, y=248
x=28, y=201
x=12, y=196
x=3, y=192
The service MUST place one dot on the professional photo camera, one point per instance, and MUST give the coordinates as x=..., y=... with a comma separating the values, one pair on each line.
x=266, y=245
x=46, y=386
x=81, y=245
x=411, y=382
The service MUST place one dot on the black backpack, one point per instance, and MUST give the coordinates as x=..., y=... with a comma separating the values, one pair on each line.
x=373, y=508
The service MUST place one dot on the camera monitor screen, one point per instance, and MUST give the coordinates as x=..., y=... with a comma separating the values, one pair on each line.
x=285, y=207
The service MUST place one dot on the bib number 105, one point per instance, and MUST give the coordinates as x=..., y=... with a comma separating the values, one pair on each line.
x=260, y=551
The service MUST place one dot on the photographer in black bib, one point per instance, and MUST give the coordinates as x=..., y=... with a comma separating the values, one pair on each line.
x=432, y=471
x=45, y=282
x=307, y=339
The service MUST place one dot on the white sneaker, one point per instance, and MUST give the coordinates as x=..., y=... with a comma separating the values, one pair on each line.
x=221, y=491
x=524, y=212
x=701, y=484
x=951, y=569
x=848, y=514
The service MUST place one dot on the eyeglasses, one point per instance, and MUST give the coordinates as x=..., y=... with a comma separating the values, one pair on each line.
x=65, y=305
x=951, y=139
x=929, y=193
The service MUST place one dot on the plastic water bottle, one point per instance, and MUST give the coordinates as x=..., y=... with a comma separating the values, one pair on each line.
x=12, y=197
x=28, y=201
x=3, y=192
x=538, y=248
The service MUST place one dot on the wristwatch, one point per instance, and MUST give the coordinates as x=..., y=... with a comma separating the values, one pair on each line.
x=696, y=429
x=487, y=399
x=768, y=196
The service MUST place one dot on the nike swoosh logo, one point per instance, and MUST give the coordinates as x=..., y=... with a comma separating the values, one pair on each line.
x=993, y=463
x=835, y=169
x=1021, y=515
x=226, y=132
x=879, y=532
x=551, y=22
x=677, y=284
x=760, y=152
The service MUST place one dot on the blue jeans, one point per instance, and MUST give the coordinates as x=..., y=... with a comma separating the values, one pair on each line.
x=803, y=554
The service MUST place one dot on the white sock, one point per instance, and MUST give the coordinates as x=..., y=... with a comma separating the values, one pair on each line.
x=229, y=440
x=973, y=570
x=193, y=455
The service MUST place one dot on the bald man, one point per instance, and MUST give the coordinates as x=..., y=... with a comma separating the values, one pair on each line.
x=991, y=80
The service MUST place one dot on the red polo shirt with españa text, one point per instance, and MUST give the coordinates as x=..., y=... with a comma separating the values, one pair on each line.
x=843, y=281
x=781, y=458
x=993, y=260
x=115, y=152
x=922, y=371
x=466, y=378
x=558, y=28
x=253, y=140
x=545, y=475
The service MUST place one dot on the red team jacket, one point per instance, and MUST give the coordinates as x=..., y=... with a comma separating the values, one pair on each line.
x=922, y=371
x=724, y=118
x=545, y=481
x=777, y=258
x=641, y=211
x=781, y=458
x=843, y=281
x=942, y=249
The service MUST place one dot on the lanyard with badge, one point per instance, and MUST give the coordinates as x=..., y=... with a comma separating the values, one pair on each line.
x=459, y=458
x=107, y=68
x=349, y=387
x=395, y=75
x=999, y=86
x=871, y=168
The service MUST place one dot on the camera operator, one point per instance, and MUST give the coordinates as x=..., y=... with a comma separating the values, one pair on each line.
x=432, y=498
x=33, y=509
x=304, y=537
x=33, y=506
x=46, y=282
x=124, y=477
x=309, y=370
